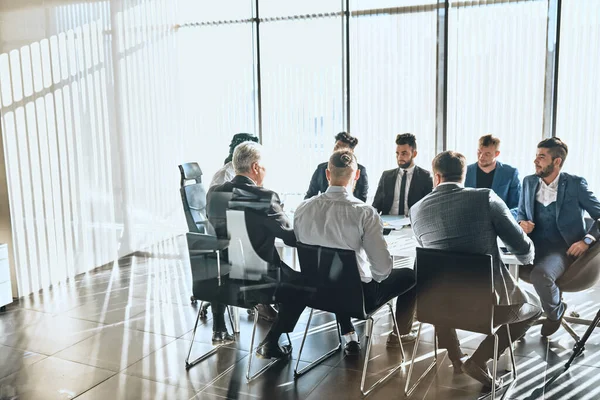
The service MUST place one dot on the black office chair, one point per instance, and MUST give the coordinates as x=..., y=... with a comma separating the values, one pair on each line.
x=334, y=275
x=456, y=290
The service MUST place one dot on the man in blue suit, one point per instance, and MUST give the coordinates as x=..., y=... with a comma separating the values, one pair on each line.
x=551, y=213
x=489, y=173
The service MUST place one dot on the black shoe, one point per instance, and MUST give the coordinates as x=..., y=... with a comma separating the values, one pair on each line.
x=458, y=363
x=470, y=368
x=549, y=326
x=266, y=312
x=352, y=348
x=222, y=337
x=269, y=350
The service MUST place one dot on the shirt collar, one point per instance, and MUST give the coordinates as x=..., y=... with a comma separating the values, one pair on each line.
x=336, y=189
x=408, y=170
x=458, y=184
x=553, y=185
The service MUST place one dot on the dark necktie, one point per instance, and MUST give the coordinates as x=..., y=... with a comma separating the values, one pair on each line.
x=402, y=194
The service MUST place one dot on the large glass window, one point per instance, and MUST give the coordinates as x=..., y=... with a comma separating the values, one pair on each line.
x=578, y=119
x=496, y=66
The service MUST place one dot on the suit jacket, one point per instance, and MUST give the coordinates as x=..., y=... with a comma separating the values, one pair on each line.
x=318, y=183
x=506, y=183
x=263, y=226
x=470, y=220
x=572, y=199
x=420, y=186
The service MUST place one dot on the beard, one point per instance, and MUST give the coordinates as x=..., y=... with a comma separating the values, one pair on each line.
x=406, y=164
x=546, y=171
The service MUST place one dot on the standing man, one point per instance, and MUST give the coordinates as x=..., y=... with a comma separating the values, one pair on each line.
x=551, y=213
x=319, y=183
x=470, y=220
x=402, y=187
x=489, y=173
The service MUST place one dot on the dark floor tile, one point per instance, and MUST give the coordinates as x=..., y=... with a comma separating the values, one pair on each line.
x=126, y=387
x=12, y=360
x=52, y=378
x=165, y=319
x=51, y=335
x=114, y=348
x=167, y=364
x=109, y=311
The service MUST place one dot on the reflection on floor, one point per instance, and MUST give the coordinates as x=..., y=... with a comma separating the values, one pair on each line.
x=123, y=333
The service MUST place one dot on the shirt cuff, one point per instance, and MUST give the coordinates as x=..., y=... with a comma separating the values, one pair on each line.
x=591, y=237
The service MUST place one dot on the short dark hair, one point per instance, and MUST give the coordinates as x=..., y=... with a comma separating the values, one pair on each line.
x=489, y=140
x=345, y=137
x=556, y=147
x=407, y=138
x=450, y=165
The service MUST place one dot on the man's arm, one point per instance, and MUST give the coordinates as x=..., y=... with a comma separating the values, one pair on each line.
x=428, y=185
x=516, y=241
x=313, y=187
x=514, y=191
x=588, y=201
x=521, y=211
x=375, y=246
x=362, y=186
x=379, y=195
x=279, y=224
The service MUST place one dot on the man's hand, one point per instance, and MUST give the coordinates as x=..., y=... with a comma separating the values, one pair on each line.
x=577, y=249
x=527, y=226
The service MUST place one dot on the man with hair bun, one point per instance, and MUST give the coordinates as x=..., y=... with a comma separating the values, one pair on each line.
x=319, y=183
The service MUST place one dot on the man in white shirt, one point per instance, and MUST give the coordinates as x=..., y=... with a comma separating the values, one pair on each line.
x=227, y=172
x=337, y=219
x=551, y=213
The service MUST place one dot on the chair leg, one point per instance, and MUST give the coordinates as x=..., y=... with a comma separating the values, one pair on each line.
x=409, y=391
x=313, y=364
x=263, y=369
x=570, y=330
x=189, y=364
x=495, y=366
x=366, y=363
x=397, y=330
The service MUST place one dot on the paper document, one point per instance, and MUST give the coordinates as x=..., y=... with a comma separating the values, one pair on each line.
x=394, y=221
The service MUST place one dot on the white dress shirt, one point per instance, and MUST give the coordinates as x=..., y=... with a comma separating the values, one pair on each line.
x=339, y=220
x=225, y=174
x=396, y=203
x=547, y=194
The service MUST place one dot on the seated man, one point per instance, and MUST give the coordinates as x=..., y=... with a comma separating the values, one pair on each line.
x=338, y=220
x=470, y=220
x=262, y=227
x=551, y=213
x=227, y=172
x=318, y=182
x=489, y=173
x=402, y=187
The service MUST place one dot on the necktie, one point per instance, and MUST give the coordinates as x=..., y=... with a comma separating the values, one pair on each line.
x=402, y=194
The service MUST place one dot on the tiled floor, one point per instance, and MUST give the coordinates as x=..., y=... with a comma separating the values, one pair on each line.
x=123, y=333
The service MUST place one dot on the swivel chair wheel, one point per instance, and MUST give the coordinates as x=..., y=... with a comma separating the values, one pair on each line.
x=193, y=300
x=203, y=313
x=250, y=311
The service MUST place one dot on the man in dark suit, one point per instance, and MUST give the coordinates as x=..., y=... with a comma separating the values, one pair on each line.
x=470, y=220
x=551, y=213
x=319, y=183
x=490, y=173
x=400, y=188
x=263, y=227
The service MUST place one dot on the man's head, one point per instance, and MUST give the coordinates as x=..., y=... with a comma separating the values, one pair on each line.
x=550, y=157
x=344, y=140
x=247, y=161
x=448, y=166
x=488, y=151
x=342, y=169
x=238, y=139
x=406, y=150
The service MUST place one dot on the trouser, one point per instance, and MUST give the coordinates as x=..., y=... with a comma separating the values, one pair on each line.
x=399, y=283
x=548, y=266
x=519, y=318
x=218, y=313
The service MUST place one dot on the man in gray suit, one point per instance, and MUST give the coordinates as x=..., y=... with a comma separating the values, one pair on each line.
x=469, y=220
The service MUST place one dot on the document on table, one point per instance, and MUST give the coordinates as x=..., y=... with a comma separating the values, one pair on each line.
x=394, y=221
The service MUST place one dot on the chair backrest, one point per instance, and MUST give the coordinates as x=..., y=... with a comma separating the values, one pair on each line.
x=193, y=197
x=333, y=273
x=583, y=273
x=455, y=290
x=245, y=262
x=216, y=210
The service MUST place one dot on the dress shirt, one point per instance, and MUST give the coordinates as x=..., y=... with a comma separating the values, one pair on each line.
x=458, y=184
x=339, y=220
x=225, y=174
x=547, y=194
x=396, y=203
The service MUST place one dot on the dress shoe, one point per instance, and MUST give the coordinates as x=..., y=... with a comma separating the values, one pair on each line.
x=352, y=348
x=392, y=340
x=549, y=326
x=470, y=368
x=222, y=337
x=458, y=363
x=266, y=312
x=269, y=350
